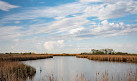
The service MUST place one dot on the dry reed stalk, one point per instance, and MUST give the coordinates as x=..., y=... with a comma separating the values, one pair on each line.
x=15, y=71
x=117, y=58
x=23, y=57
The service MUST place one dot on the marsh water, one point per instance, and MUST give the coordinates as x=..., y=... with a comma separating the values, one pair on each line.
x=70, y=68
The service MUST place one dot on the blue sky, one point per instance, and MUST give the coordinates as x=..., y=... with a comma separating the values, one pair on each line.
x=68, y=26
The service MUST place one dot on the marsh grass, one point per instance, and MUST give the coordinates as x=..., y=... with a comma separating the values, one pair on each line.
x=15, y=71
x=116, y=58
x=105, y=76
x=16, y=57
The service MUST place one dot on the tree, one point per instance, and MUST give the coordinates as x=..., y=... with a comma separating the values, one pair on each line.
x=93, y=51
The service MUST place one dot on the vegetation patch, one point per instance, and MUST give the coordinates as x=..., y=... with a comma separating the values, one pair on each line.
x=20, y=57
x=117, y=58
x=15, y=71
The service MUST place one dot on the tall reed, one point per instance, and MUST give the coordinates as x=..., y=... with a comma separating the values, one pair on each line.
x=13, y=57
x=117, y=58
x=105, y=76
x=15, y=71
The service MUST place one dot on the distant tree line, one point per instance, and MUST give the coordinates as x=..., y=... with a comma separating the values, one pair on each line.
x=104, y=52
x=27, y=53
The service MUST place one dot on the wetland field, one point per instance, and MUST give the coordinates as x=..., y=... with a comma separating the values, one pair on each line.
x=68, y=67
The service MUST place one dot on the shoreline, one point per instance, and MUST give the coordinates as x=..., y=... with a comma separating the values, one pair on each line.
x=11, y=69
x=111, y=58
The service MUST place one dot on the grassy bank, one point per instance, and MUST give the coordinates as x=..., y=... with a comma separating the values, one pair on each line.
x=15, y=71
x=115, y=58
x=14, y=57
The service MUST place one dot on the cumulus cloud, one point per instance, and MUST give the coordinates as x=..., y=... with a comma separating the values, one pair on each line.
x=6, y=6
x=50, y=45
x=107, y=29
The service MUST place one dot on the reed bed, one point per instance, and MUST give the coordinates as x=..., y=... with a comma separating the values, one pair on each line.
x=15, y=71
x=20, y=57
x=115, y=58
x=105, y=76
x=129, y=76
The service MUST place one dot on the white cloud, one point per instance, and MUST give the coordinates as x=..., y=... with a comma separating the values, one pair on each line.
x=105, y=1
x=89, y=1
x=8, y=32
x=118, y=8
x=17, y=22
x=105, y=29
x=105, y=25
x=70, y=23
x=60, y=17
x=76, y=30
x=50, y=45
x=66, y=24
x=16, y=40
x=109, y=11
x=6, y=6
x=60, y=43
x=47, y=12
x=76, y=24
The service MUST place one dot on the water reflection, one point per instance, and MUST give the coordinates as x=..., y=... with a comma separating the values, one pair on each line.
x=68, y=68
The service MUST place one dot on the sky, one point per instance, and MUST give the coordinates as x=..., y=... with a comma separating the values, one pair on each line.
x=68, y=26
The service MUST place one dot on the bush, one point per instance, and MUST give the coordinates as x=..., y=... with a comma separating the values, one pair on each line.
x=99, y=53
x=85, y=53
x=121, y=53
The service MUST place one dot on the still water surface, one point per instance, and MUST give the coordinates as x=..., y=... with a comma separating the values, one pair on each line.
x=68, y=68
